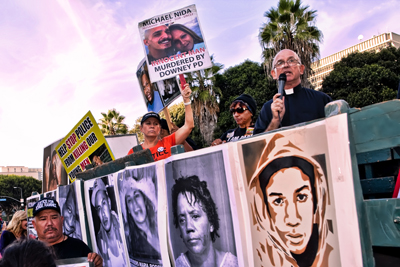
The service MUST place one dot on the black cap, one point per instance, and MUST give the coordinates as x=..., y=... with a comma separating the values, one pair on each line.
x=45, y=204
x=150, y=115
x=249, y=101
x=164, y=124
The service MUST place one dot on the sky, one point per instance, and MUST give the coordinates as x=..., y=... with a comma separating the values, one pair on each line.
x=59, y=59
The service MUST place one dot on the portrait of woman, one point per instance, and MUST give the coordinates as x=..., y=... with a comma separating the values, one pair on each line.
x=139, y=204
x=185, y=39
x=290, y=197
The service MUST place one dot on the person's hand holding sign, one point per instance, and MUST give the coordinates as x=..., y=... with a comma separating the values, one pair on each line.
x=186, y=93
x=186, y=129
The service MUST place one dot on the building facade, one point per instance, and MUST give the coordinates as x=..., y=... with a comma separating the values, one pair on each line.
x=324, y=66
x=36, y=173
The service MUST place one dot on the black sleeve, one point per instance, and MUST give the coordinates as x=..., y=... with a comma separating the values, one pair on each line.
x=223, y=136
x=264, y=118
x=192, y=143
x=6, y=239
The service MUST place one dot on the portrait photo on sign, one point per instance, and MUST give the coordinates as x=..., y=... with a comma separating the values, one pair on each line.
x=199, y=212
x=54, y=173
x=169, y=90
x=104, y=221
x=290, y=203
x=69, y=210
x=137, y=189
x=150, y=92
x=174, y=44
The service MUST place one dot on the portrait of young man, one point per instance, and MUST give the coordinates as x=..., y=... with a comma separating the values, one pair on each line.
x=200, y=218
x=69, y=210
x=289, y=196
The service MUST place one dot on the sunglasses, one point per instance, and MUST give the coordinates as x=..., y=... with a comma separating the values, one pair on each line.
x=238, y=110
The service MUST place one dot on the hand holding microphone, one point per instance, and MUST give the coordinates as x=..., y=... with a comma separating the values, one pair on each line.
x=278, y=104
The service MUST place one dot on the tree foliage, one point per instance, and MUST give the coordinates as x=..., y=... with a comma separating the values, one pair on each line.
x=204, y=103
x=291, y=26
x=136, y=130
x=247, y=77
x=365, y=78
x=112, y=123
x=7, y=184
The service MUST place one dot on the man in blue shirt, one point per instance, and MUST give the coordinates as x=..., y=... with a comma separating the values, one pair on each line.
x=298, y=104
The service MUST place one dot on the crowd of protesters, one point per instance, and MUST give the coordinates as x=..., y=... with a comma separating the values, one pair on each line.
x=295, y=105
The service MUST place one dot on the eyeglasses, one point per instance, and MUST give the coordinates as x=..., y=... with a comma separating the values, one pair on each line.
x=291, y=62
x=238, y=110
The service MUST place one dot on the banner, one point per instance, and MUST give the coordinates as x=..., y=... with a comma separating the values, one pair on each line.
x=30, y=201
x=159, y=94
x=54, y=173
x=84, y=144
x=174, y=44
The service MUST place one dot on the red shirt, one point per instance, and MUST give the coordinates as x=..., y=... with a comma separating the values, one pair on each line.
x=163, y=148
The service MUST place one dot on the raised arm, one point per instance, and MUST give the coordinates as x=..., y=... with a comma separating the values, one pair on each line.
x=186, y=129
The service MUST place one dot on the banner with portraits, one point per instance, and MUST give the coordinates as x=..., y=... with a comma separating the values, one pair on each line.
x=174, y=44
x=83, y=145
x=291, y=180
x=156, y=95
x=284, y=198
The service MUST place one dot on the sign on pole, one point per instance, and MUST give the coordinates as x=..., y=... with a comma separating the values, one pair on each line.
x=84, y=144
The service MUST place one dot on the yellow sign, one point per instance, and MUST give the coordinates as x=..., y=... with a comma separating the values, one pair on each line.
x=84, y=144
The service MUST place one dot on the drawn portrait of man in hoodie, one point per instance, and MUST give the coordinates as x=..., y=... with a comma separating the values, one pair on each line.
x=289, y=200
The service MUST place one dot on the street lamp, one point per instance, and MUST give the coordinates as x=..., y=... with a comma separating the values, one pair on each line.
x=22, y=199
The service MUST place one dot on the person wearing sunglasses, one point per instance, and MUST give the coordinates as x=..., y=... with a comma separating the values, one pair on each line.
x=298, y=104
x=243, y=110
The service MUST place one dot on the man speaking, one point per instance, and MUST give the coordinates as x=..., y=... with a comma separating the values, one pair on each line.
x=298, y=104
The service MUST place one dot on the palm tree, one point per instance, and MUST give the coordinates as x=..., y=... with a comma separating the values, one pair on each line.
x=291, y=26
x=112, y=123
x=205, y=100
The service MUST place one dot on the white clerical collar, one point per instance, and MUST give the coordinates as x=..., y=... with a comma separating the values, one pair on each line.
x=289, y=91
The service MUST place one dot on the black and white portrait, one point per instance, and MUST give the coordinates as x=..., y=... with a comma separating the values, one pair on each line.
x=69, y=210
x=138, y=198
x=105, y=221
x=200, y=218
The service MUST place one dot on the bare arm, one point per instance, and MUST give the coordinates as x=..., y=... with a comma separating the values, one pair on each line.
x=182, y=133
x=278, y=110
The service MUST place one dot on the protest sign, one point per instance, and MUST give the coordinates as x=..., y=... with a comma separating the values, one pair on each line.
x=159, y=94
x=174, y=44
x=84, y=144
x=30, y=201
x=53, y=171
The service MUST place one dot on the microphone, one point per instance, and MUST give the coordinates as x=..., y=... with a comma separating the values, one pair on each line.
x=281, y=84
